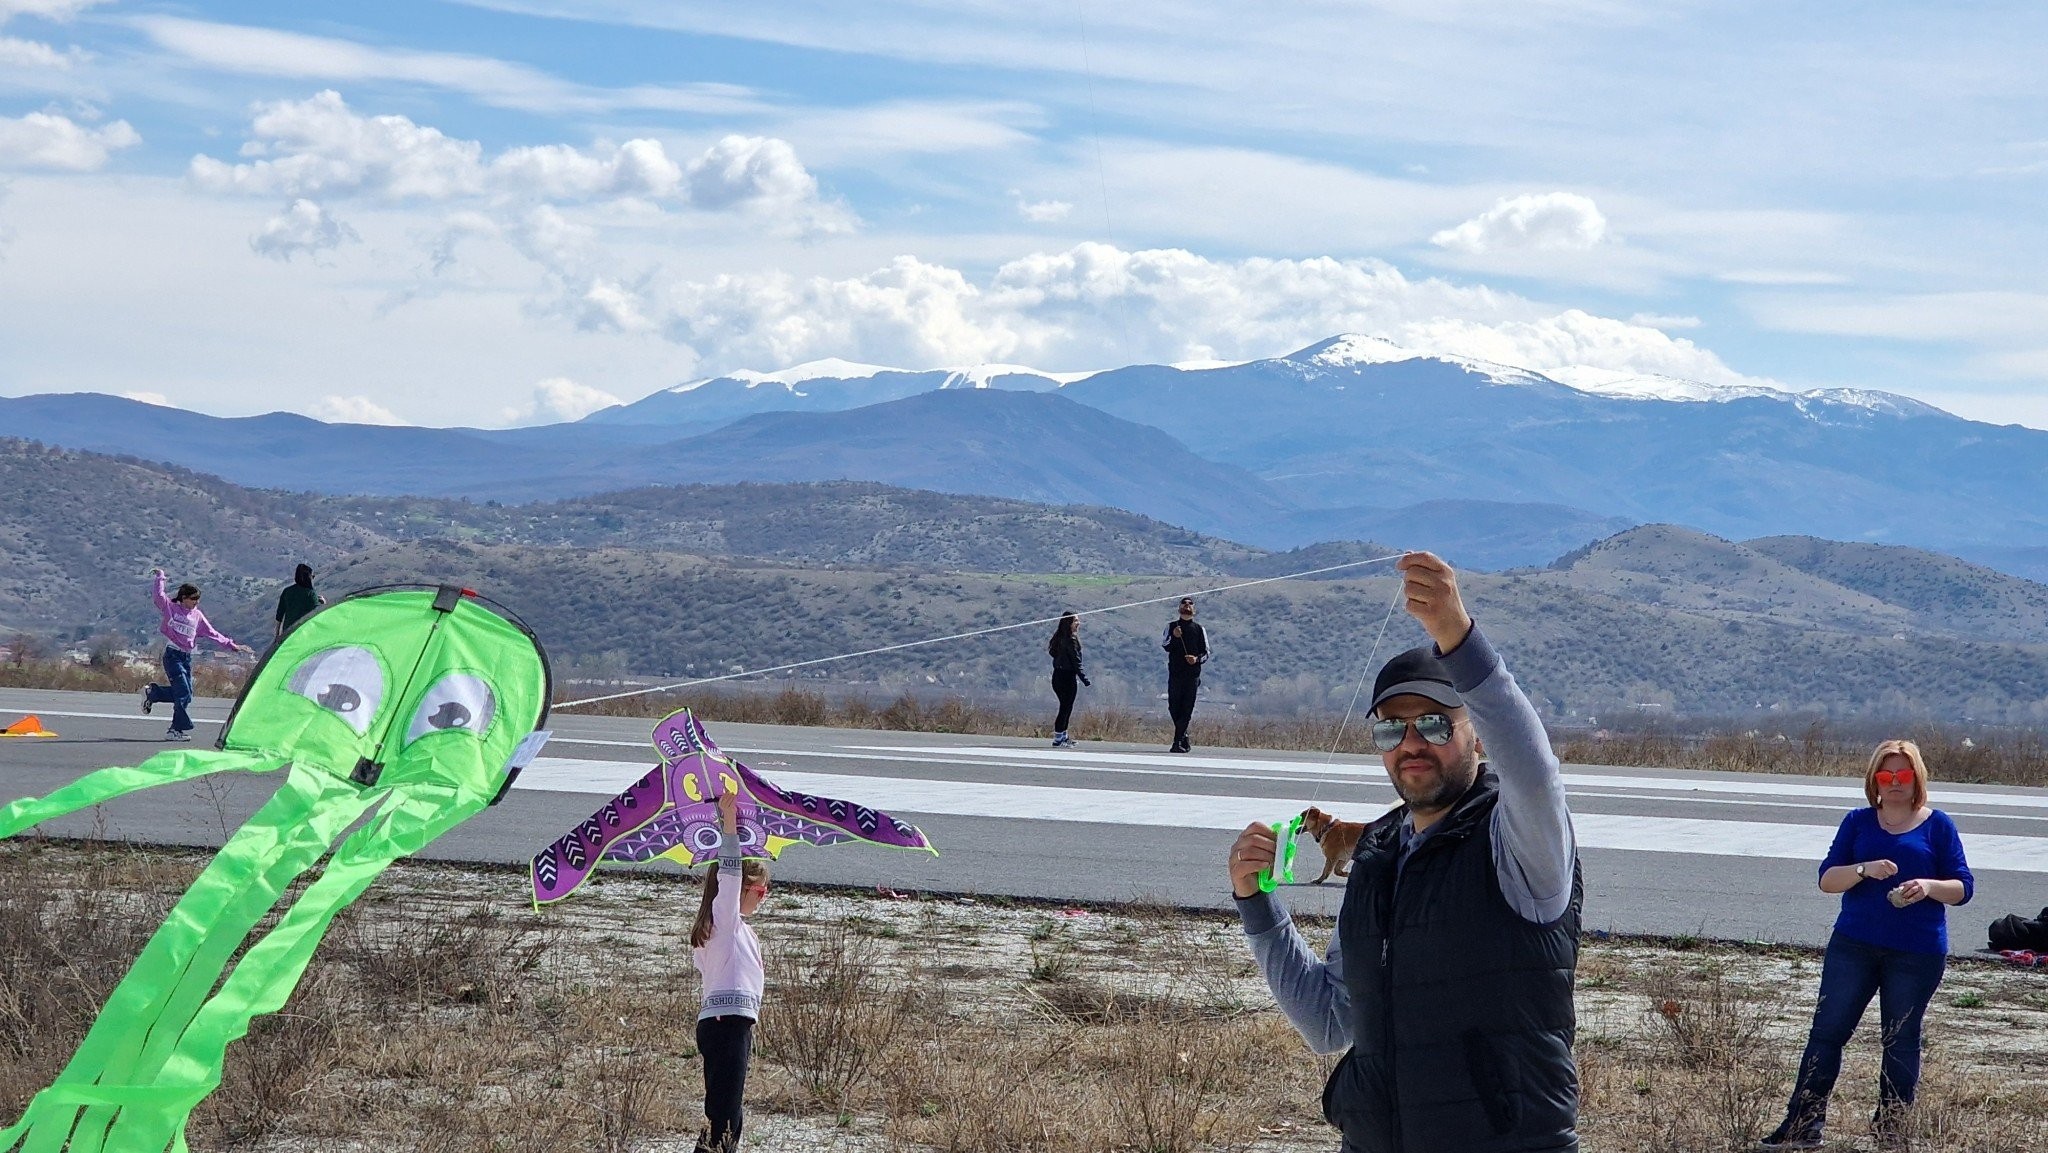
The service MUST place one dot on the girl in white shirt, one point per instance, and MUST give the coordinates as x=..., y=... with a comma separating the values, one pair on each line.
x=728, y=957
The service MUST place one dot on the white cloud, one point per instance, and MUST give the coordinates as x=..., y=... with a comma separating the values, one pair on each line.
x=267, y=52
x=1095, y=304
x=1576, y=339
x=1041, y=211
x=18, y=53
x=559, y=399
x=155, y=398
x=1658, y=320
x=353, y=410
x=303, y=227
x=321, y=147
x=763, y=175
x=54, y=10
x=48, y=140
x=1550, y=221
x=557, y=171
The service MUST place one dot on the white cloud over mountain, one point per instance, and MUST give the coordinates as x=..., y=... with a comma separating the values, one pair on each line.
x=354, y=410
x=52, y=140
x=1095, y=305
x=558, y=399
x=1552, y=220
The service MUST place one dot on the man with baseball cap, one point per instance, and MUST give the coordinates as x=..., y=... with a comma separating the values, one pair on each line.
x=1449, y=978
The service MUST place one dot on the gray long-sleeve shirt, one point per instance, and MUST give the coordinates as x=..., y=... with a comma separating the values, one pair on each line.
x=1533, y=849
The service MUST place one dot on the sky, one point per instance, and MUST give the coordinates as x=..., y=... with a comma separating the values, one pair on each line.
x=504, y=212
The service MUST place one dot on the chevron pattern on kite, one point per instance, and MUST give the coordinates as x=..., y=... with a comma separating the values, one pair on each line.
x=546, y=872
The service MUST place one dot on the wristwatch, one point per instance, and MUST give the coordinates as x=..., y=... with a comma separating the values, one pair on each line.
x=1859, y=870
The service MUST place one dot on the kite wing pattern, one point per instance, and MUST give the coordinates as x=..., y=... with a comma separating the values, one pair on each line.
x=672, y=813
x=407, y=709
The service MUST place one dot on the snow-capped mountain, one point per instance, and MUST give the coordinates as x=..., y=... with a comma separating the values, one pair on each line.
x=830, y=385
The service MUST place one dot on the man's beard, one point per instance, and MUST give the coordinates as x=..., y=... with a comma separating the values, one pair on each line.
x=1441, y=790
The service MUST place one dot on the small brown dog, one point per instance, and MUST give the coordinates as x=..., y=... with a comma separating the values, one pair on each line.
x=1339, y=840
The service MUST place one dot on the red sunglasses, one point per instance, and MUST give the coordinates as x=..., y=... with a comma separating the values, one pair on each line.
x=1886, y=778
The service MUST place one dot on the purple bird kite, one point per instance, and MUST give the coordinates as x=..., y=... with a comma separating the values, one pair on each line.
x=672, y=813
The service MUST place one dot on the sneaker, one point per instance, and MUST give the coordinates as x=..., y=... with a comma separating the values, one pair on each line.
x=177, y=735
x=1784, y=1140
x=147, y=704
x=1061, y=740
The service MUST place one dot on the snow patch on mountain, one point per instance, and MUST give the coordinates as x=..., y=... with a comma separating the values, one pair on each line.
x=1655, y=386
x=831, y=368
x=985, y=375
x=1351, y=350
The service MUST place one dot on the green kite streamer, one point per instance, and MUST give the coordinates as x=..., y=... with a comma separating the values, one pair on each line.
x=413, y=707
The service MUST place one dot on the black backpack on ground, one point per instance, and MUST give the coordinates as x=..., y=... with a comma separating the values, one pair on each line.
x=2013, y=931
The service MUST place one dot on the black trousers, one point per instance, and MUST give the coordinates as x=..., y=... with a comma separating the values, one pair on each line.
x=1065, y=686
x=1180, y=704
x=726, y=1043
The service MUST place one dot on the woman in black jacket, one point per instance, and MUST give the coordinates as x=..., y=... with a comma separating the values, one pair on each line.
x=1065, y=647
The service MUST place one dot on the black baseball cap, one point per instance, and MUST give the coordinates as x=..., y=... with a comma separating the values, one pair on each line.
x=1417, y=672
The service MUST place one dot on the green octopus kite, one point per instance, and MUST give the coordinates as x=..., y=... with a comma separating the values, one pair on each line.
x=413, y=707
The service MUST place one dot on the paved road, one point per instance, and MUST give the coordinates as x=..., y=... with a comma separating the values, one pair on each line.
x=1666, y=852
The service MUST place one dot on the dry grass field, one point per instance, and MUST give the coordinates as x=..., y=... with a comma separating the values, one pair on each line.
x=444, y=1015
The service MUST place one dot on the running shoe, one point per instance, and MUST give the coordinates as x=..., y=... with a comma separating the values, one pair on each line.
x=147, y=703
x=177, y=735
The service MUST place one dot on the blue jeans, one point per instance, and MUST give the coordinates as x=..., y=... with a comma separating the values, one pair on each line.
x=178, y=671
x=1851, y=974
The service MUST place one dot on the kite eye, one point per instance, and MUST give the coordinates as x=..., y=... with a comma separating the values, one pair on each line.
x=456, y=701
x=703, y=838
x=348, y=682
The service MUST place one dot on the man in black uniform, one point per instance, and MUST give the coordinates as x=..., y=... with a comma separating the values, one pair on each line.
x=1187, y=650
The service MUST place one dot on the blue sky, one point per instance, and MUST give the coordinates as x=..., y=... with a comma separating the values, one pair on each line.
x=507, y=211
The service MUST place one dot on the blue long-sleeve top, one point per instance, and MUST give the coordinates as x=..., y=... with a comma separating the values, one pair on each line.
x=1533, y=849
x=1931, y=852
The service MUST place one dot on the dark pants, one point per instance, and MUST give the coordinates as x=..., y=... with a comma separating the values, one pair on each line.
x=1180, y=704
x=1065, y=686
x=726, y=1044
x=1850, y=975
x=177, y=671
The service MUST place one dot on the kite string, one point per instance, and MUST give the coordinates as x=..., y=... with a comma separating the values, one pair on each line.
x=979, y=633
x=1399, y=589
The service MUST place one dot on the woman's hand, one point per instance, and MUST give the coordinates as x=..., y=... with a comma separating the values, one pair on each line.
x=1911, y=893
x=729, y=812
x=1250, y=855
x=1880, y=870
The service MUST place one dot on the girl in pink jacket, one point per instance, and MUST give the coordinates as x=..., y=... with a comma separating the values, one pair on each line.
x=728, y=957
x=183, y=627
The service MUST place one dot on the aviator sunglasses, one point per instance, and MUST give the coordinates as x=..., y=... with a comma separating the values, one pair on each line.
x=1388, y=734
x=1885, y=778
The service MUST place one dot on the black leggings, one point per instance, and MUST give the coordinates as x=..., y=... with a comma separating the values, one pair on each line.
x=726, y=1044
x=1065, y=686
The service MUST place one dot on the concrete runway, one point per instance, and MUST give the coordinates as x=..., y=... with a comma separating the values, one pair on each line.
x=1666, y=852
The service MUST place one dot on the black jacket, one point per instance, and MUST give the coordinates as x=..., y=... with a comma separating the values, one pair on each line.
x=1461, y=1011
x=1066, y=655
x=1185, y=639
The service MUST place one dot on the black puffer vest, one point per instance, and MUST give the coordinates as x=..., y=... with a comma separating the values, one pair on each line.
x=1461, y=1011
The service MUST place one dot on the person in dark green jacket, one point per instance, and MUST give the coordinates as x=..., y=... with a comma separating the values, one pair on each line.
x=297, y=599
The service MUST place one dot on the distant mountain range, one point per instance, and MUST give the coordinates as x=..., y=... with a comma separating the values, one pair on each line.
x=684, y=580
x=1351, y=438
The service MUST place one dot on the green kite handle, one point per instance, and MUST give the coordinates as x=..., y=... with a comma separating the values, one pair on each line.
x=1283, y=854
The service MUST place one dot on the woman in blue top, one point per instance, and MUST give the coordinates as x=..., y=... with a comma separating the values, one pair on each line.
x=1898, y=866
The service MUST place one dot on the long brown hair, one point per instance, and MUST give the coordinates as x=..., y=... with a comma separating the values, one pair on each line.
x=753, y=871
x=1063, y=629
